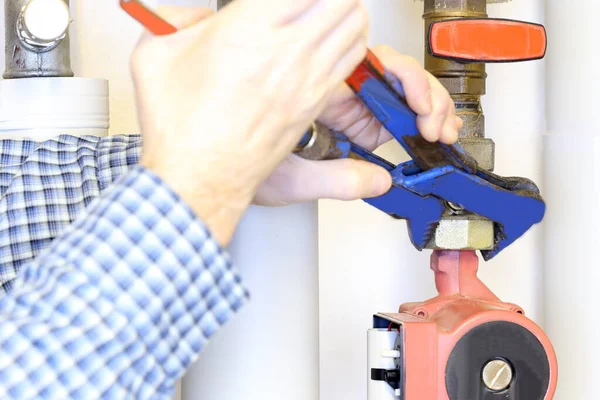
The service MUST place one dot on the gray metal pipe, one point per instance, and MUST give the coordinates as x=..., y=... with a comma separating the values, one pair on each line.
x=25, y=60
x=222, y=3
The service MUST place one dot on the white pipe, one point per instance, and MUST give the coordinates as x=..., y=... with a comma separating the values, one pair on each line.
x=43, y=108
x=572, y=183
x=270, y=350
x=102, y=49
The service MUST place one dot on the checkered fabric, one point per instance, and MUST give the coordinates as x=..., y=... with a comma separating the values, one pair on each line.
x=122, y=302
x=44, y=186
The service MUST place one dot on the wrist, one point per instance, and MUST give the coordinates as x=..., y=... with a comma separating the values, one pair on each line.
x=215, y=201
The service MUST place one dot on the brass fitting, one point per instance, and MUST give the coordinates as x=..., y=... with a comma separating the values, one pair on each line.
x=461, y=80
x=466, y=84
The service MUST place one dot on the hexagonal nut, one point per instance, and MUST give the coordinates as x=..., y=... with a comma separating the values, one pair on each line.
x=463, y=232
x=483, y=151
x=473, y=124
x=464, y=85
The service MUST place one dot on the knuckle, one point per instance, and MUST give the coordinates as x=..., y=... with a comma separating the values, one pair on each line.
x=412, y=62
x=383, y=50
x=442, y=101
x=444, y=108
x=451, y=106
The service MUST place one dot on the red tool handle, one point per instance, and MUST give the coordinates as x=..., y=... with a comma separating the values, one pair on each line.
x=487, y=40
x=147, y=18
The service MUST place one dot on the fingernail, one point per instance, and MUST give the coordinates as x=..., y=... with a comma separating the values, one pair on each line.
x=449, y=135
x=459, y=123
x=381, y=183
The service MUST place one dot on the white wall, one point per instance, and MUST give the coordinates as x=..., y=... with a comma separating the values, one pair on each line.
x=366, y=263
x=572, y=180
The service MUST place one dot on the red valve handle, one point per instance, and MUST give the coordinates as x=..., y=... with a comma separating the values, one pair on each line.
x=147, y=17
x=487, y=40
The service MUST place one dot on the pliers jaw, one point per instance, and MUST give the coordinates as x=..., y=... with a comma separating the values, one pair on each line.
x=422, y=213
x=421, y=197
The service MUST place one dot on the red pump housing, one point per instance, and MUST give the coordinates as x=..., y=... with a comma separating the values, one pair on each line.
x=448, y=340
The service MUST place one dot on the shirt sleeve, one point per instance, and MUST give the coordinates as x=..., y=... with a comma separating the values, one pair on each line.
x=45, y=186
x=121, y=303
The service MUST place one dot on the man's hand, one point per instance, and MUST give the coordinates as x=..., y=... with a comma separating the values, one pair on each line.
x=299, y=180
x=224, y=101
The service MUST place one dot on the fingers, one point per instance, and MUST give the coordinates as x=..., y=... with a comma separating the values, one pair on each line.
x=416, y=83
x=348, y=63
x=425, y=95
x=329, y=16
x=345, y=179
x=335, y=34
x=441, y=123
x=345, y=113
x=345, y=47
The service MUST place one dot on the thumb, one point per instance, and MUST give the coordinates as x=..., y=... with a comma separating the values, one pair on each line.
x=345, y=179
x=184, y=17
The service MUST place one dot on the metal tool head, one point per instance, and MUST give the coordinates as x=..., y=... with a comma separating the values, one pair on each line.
x=441, y=173
x=513, y=204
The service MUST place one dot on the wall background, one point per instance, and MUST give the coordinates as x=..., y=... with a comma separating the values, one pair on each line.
x=317, y=281
x=572, y=181
x=366, y=261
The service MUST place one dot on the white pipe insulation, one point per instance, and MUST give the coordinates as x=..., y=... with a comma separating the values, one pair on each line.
x=572, y=190
x=271, y=350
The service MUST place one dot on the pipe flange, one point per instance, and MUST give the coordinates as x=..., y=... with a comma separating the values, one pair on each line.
x=42, y=25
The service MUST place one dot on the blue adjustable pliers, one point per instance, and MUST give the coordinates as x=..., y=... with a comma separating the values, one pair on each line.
x=438, y=173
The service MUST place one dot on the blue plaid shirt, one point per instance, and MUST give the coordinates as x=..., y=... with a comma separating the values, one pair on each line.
x=112, y=285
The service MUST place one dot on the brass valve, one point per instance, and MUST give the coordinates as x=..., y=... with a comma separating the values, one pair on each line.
x=460, y=40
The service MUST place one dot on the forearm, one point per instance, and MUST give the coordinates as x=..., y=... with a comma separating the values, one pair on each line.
x=121, y=303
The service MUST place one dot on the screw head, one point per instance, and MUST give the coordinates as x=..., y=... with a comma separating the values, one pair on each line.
x=497, y=375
